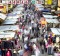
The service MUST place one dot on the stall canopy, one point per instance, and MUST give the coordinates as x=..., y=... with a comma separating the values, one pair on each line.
x=9, y=28
x=2, y=16
x=50, y=16
x=46, y=10
x=56, y=31
x=17, y=12
x=39, y=6
x=20, y=5
x=20, y=8
x=46, y=13
x=52, y=21
x=15, y=16
x=7, y=35
x=11, y=14
x=10, y=21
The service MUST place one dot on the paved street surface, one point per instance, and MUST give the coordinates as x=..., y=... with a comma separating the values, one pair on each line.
x=26, y=53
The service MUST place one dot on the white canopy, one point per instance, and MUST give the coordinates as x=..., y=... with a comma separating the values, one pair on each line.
x=7, y=35
x=55, y=16
x=46, y=13
x=10, y=21
x=59, y=29
x=16, y=16
x=2, y=16
x=9, y=28
x=39, y=6
x=17, y=12
x=20, y=5
x=52, y=21
x=56, y=31
x=20, y=8
x=48, y=16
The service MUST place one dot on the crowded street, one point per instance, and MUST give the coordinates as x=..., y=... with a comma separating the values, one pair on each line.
x=29, y=28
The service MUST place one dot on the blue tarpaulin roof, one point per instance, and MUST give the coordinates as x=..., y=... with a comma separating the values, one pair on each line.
x=46, y=10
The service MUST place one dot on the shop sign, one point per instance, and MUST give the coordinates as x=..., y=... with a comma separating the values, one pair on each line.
x=49, y=2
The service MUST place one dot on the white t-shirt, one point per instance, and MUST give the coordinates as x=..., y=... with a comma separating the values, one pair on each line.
x=26, y=39
x=21, y=52
x=37, y=51
x=26, y=32
x=25, y=46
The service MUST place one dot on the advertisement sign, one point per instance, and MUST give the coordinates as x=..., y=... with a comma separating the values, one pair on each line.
x=49, y=2
x=3, y=8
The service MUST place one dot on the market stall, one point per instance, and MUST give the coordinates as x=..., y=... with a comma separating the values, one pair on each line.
x=6, y=37
x=46, y=13
x=8, y=42
x=52, y=42
x=52, y=23
x=11, y=28
x=56, y=31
